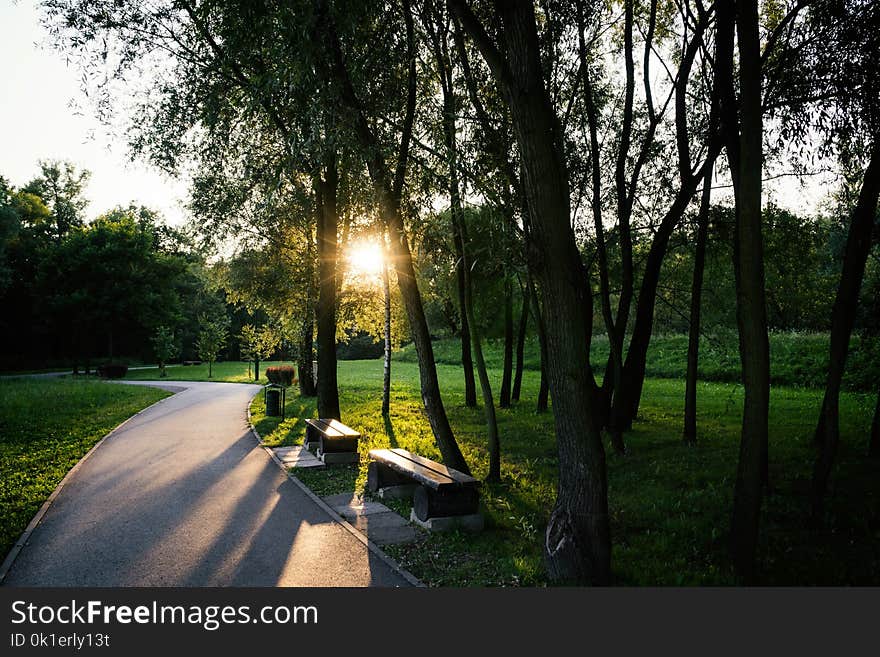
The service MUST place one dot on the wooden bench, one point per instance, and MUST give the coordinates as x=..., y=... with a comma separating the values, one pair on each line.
x=336, y=442
x=192, y=362
x=443, y=498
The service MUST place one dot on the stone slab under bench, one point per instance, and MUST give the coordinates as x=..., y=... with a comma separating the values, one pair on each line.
x=472, y=522
x=297, y=457
x=381, y=525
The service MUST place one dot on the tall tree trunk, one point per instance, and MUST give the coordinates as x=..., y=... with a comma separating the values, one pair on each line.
x=521, y=345
x=388, y=198
x=386, y=371
x=494, y=474
x=256, y=369
x=327, y=227
x=751, y=308
x=577, y=541
x=507, y=371
x=843, y=316
x=690, y=395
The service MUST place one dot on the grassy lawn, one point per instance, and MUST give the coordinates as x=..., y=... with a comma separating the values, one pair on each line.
x=670, y=505
x=229, y=371
x=796, y=359
x=46, y=426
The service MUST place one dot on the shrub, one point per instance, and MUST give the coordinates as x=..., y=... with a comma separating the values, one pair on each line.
x=112, y=370
x=360, y=347
x=284, y=376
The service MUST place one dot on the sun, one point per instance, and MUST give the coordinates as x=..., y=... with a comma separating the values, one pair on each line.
x=365, y=258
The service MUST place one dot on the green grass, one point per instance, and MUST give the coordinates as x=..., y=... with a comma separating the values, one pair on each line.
x=46, y=426
x=228, y=371
x=797, y=359
x=670, y=505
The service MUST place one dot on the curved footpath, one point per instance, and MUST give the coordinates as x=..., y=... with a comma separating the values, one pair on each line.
x=183, y=495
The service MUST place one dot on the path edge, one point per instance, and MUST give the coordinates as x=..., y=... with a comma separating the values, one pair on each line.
x=38, y=516
x=354, y=531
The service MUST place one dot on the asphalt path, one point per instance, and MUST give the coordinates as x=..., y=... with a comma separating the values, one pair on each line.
x=183, y=495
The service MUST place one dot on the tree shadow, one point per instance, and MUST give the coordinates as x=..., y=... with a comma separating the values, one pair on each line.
x=389, y=431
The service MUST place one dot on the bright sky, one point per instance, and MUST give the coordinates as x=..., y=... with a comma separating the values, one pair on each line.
x=36, y=122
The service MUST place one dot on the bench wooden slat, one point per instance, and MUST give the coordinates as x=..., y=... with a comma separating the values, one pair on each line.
x=336, y=425
x=326, y=429
x=420, y=473
x=439, y=468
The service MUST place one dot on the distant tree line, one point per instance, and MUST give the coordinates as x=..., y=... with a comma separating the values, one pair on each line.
x=78, y=292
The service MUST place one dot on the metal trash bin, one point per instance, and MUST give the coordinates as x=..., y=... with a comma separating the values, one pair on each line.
x=273, y=402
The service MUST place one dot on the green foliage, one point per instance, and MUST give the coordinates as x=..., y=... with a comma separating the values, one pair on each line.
x=107, y=278
x=164, y=346
x=213, y=334
x=258, y=343
x=98, y=289
x=46, y=426
x=62, y=188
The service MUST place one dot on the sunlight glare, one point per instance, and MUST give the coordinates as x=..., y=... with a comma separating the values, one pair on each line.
x=365, y=258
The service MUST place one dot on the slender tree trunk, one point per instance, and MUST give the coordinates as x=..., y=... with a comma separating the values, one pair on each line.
x=843, y=316
x=305, y=360
x=386, y=372
x=626, y=400
x=521, y=345
x=388, y=197
x=467, y=361
x=444, y=70
x=256, y=369
x=306, y=348
x=874, y=448
x=613, y=372
x=494, y=474
x=327, y=227
x=628, y=386
x=750, y=297
x=690, y=395
x=544, y=387
x=507, y=373
x=577, y=541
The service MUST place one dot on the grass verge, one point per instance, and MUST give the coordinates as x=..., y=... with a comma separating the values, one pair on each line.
x=46, y=426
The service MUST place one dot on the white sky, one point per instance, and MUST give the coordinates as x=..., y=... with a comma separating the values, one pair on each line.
x=36, y=122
